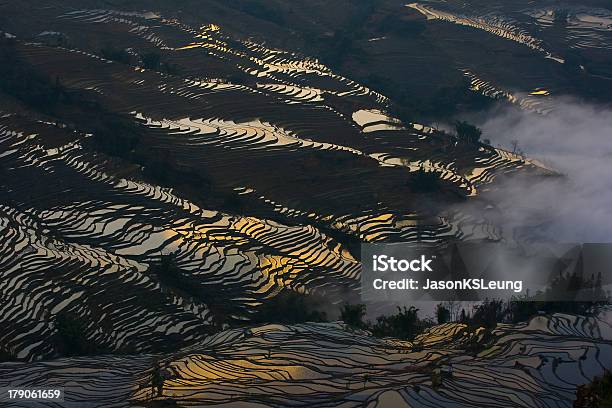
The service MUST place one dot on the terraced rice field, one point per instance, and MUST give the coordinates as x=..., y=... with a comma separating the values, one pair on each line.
x=575, y=39
x=294, y=163
x=534, y=364
x=256, y=171
x=491, y=24
x=538, y=101
x=587, y=28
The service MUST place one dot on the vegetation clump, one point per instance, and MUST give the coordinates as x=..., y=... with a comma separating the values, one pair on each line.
x=71, y=337
x=27, y=83
x=443, y=314
x=170, y=274
x=115, y=54
x=584, y=294
x=597, y=394
x=353, y=315
x=405, y=324
x=423, y=181
x=488, y=313
x=6, y=354
x=153, y=60
x=483, y=316
x=289, y=307
x=468, y=133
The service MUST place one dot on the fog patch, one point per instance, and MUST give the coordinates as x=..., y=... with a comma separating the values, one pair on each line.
x=576, y=140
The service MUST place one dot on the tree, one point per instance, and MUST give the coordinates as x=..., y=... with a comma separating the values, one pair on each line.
x=423, y=181
x=403, y=325
x=115, y=54
x=453, y=309
x=72, y=336
x=157, y=381
x=442, y=313
x=488, y=313
x=596, y=394
x=514, y=143
x=467, y=132
x=353, y=315
x=6, y=354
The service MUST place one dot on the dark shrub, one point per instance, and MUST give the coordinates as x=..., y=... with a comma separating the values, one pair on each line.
x=423, y=181
x=27, y=83
x=488, y=313
x=353, y=315
x=404, y=325
x=442, y=314
x=72, y=336
x=467, y=132
x=115, y=54
x=597, y=394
